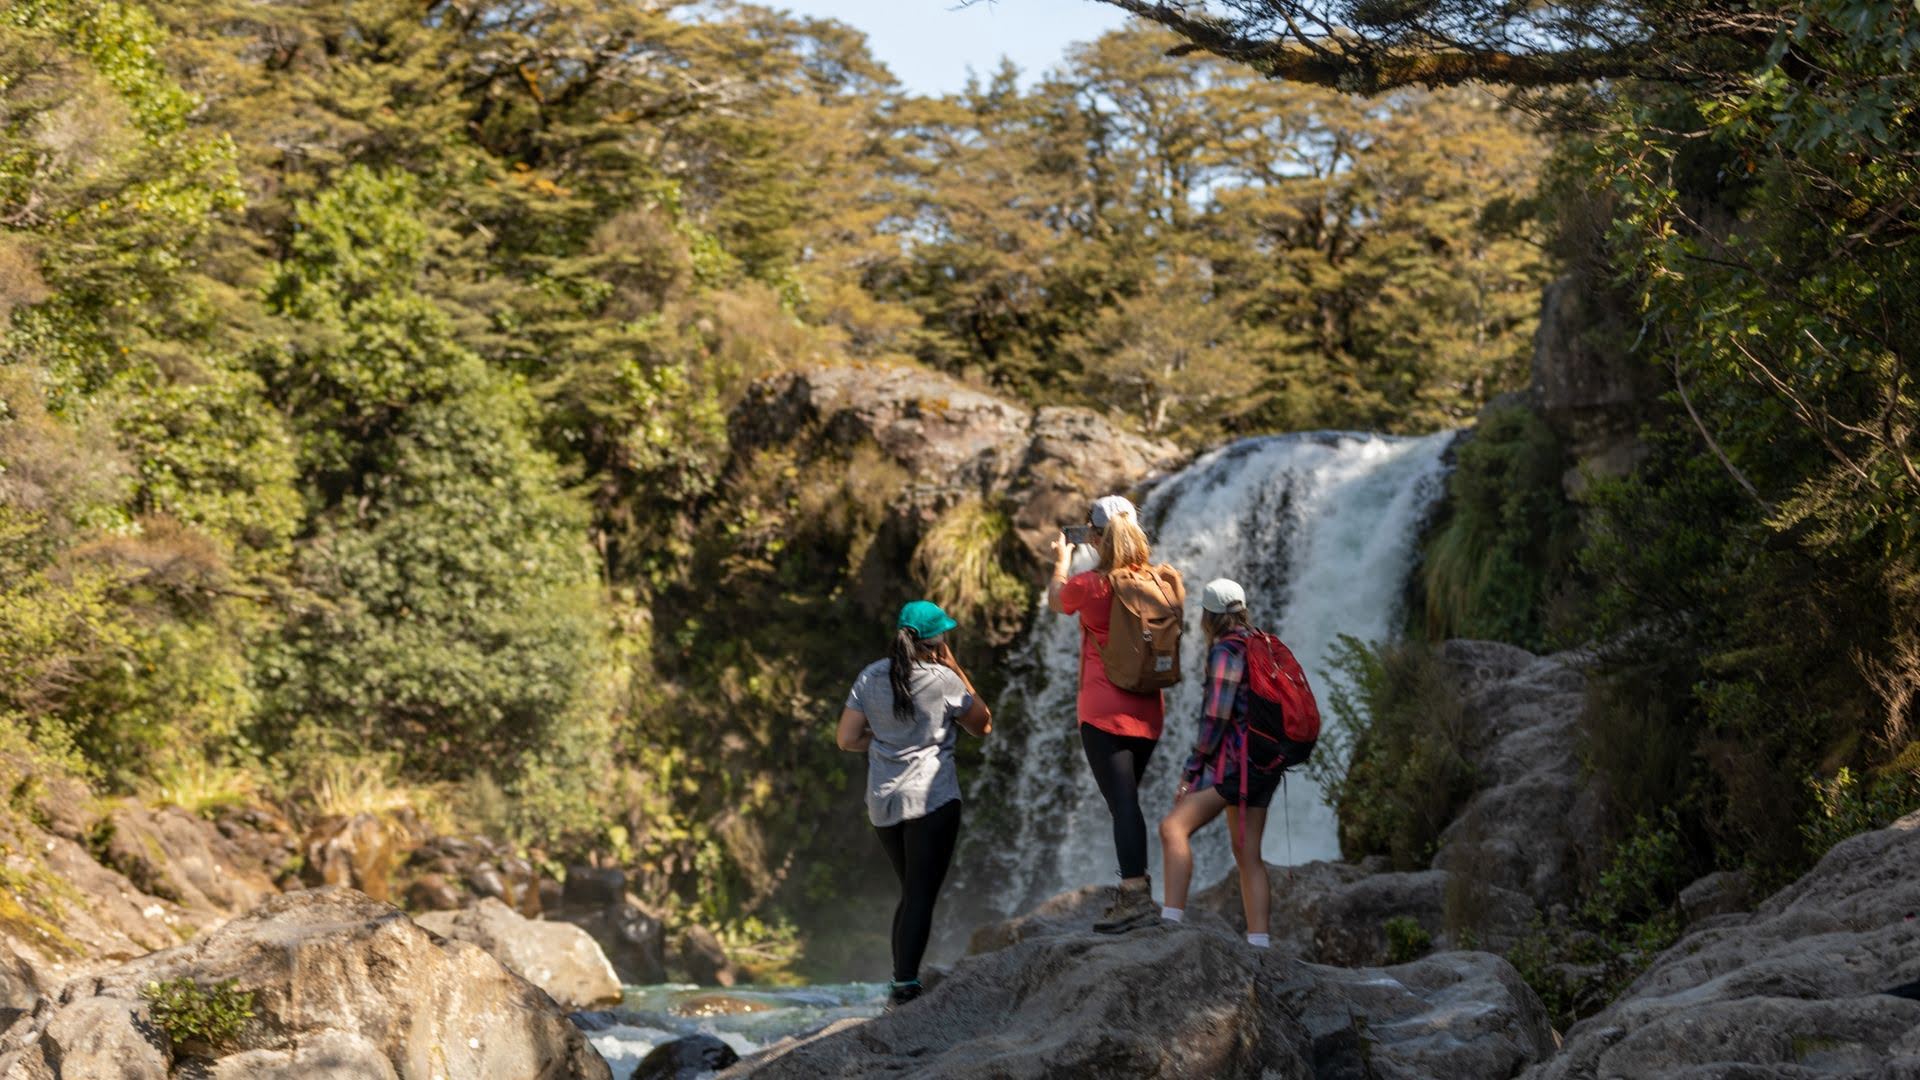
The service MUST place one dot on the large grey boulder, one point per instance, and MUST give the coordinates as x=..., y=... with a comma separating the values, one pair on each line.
x=557, y=957
x=342, y=985
x=1794, y=990
x=1185, y=1001
x=1155, y=1003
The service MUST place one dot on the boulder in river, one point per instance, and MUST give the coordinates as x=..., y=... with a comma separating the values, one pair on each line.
x=558, y=957
x=699, y=955
x=686, y=1058
x=340, y=984
x=1795, y=989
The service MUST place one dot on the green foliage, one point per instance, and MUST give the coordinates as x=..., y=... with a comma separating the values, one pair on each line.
x=1763, y=559
x=959, y=563
x=1491, y=569
x=1407, y=940
x=193, y=1015
x=1394, y=767
x=1848, y=804
x=458, y=624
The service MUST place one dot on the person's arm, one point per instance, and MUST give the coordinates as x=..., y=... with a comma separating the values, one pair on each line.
x=1225, y=670
x=977, y=720
x=1062, y=563
x=854, y=734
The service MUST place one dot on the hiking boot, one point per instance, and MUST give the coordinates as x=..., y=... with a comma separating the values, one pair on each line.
x=1132, y=908
x=900, y=993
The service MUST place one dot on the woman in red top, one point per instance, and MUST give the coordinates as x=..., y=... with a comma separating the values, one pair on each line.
x=1118, y=728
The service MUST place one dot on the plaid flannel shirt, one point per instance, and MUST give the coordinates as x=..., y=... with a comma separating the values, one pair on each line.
x=1223, y=712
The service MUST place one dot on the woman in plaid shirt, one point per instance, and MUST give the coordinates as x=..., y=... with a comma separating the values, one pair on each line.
x=1212, y=781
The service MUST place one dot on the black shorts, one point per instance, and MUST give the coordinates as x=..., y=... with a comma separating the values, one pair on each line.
x=1260, y=788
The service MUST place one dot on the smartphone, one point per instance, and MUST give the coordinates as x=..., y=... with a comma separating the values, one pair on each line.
x=1079, y=534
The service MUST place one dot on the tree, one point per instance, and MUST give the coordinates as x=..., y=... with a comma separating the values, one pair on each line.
x=1168, y=356
x=1372, y=46
x=455, y=615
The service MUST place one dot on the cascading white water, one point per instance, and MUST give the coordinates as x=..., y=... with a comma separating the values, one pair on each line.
x=1321, y=529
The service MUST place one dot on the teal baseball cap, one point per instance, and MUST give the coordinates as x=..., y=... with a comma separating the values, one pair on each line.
x=925, y=619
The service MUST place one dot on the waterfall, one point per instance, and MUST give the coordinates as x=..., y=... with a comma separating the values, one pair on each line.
x=1321, y=529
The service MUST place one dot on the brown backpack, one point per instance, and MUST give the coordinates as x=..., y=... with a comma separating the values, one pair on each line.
x=1142, y=652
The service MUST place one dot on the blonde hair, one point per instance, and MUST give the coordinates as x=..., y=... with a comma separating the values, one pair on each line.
x=1122, y=544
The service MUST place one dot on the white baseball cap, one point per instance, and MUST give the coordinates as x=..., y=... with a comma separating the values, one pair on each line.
x=1222, y=595
x=1108, y=507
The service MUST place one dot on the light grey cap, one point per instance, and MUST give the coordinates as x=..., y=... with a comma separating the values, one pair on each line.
x=1222, y=595
x=1108, y=507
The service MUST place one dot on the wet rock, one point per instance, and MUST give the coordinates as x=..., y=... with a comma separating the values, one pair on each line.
x=686, y=1058
x=700, y=955
x=557, y=957
x=1795, y=989
x=632, y=937
x=342, y=986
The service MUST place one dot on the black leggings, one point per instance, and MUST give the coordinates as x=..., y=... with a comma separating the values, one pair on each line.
x=1118, y=762
x=920, y=850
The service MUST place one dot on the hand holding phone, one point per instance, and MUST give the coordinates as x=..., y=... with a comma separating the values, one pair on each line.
x=1078, y=534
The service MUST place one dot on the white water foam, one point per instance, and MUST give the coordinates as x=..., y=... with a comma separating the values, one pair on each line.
x=1321, y=529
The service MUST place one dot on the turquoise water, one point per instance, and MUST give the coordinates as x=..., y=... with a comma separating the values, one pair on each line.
x=746, y=1017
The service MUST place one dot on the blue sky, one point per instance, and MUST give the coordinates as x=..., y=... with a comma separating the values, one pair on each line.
x=930, y=44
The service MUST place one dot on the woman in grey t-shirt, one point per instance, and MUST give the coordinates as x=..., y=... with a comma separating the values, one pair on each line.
x=903, y=712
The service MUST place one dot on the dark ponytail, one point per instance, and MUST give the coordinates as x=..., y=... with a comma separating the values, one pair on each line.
x=900, y=660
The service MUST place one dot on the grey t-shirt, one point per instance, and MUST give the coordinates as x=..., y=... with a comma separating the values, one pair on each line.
x=910, y=770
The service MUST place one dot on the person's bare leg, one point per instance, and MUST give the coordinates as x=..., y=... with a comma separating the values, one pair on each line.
x=1176, y=848
x=1254, y=897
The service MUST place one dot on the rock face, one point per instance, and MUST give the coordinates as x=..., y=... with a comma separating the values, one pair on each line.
x=1185, y=1001
x=555, y=956
x=1586, y=382
x=954, y=440
x=1535, y=822
x=342, y=985
x=1795, y=989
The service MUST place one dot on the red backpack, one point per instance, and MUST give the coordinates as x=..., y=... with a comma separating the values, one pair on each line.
x=1283, y=719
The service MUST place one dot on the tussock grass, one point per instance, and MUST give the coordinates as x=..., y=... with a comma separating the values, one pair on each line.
x=958, y=566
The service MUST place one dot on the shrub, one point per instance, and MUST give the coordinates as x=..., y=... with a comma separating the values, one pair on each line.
x=1849, y=803
x=1407, y=940
x=1492, y=567
x=195, y=1016
x=1393, y=768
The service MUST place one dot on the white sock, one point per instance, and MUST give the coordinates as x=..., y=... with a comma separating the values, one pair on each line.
x=1258, y=941
x=1173, y=914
